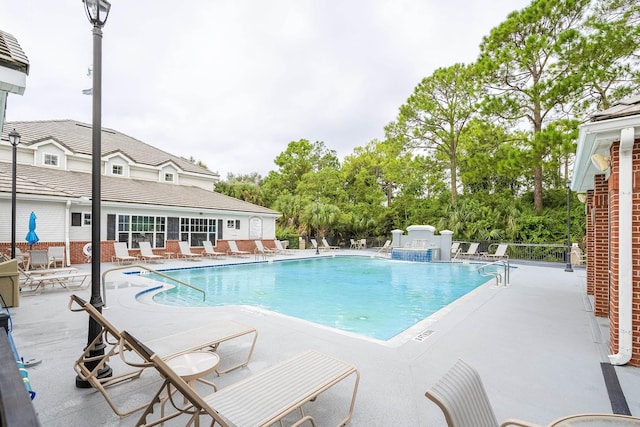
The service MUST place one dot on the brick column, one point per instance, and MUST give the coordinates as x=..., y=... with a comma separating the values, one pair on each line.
x=635, y=250
x=599, y=263
x=589, y=239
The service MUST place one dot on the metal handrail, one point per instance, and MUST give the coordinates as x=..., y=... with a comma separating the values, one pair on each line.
x=505, y=263
x=151, y=270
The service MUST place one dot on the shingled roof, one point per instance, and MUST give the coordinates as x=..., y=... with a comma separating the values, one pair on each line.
x=34, y=180
x=77, y=137
x=625, y=107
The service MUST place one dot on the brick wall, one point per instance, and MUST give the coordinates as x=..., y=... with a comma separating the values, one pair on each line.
x=588, y=240
x=599, y=259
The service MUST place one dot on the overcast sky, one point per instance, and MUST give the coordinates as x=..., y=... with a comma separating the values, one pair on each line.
x=232, y=82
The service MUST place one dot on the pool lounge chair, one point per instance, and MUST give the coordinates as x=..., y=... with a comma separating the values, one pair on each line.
x=261, y=250
x=314, y=243
x=455, y=250
x=233, y=249
x=262, y=399
x=327, y=247
x=66, y=277
x=203, y=338
x=500, y=253
x=185, y=252
x=386, y=248
x=280, y=249
x=122, y=253
x=471, y=252
x=146, y=252
x=462, y=398
x=209, y=250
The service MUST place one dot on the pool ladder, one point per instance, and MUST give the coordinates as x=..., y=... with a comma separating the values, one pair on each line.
x=484, y=270
x=150, y=270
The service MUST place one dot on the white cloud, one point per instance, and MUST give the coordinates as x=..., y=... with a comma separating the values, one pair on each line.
x=231, y=83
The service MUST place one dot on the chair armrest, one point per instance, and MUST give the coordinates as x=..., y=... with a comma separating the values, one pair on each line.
x=515, y=422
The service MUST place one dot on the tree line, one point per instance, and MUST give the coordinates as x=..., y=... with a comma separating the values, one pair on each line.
x=482, y=149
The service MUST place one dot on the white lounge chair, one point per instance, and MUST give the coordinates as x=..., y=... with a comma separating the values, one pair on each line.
x=455, y=250
x=210, y=251
x=122, y=253
x=471, y=252
x=185, y=251
x=386, y=248
x=314, y=243
x=233, y=249
x=56, y=256
x=280, y=249
x=327, y=247
x=500, y=253
x=146, y=252
x=262, y=399
x=261, y=250
x=204, y=338
x=464, y=401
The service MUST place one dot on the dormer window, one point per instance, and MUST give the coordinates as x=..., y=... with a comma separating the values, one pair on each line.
x=117, y=170
x=168, y=177
x=50, y=159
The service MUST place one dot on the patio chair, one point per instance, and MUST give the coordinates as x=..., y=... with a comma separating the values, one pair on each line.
x=353, y=244
x=500, y=253
x=280, y=249
x=210, y=251
x=261, y=250
x=122, y=253
x=314, y=243
x=185, y=252
x=146, y=252
x=327, y=247
x=455, y=250
x=56, y=256
x=67, y=277
x=262, y=399
x=38, y=259
x=386, y=248
x=204, y=338
x=233, y=249
x=471, y=252
x=23, y=258
x=362, y=244
x=462, y=398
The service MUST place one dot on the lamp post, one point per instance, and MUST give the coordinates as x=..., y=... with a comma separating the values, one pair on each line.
x=97, y=12
x=568, y=268
x=317, y=227
x=14, y=139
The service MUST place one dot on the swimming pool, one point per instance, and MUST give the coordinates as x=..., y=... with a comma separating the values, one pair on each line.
x=378, y=298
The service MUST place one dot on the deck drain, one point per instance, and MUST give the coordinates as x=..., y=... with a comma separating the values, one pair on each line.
x=423, y=335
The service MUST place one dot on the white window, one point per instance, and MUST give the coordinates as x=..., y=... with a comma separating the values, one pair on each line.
x=50, y=159
x=233, y=223
x=117, y=170
x=168, y=177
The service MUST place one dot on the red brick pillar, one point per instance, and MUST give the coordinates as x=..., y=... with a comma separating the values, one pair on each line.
x=588, y=249
x=635, y=250
x=599, y=263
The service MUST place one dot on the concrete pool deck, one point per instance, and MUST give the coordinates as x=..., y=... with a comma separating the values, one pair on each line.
x=536, y=345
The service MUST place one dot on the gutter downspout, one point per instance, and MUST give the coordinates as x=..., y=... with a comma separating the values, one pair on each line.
x=67, y=221
x=625, y=267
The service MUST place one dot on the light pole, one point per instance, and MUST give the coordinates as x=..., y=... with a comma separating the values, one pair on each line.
x=97, y=12
x=317, y=227
x=14, y=139
x=568, y=268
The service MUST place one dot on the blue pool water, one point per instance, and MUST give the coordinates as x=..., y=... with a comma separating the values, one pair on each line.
x=378, y=298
